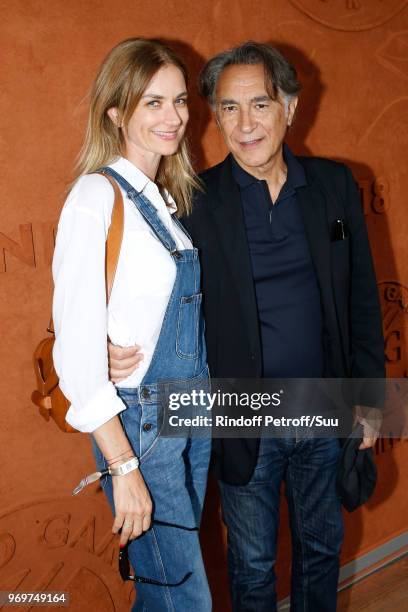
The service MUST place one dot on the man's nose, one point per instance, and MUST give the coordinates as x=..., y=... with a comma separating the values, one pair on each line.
x=246, y=120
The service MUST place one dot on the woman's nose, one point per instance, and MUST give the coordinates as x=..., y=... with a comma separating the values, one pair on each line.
x=172, y=116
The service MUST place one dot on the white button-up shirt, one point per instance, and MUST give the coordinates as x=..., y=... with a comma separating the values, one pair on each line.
x=142, y=287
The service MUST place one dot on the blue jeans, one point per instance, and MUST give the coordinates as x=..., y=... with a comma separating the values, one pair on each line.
x=251, y=512
x=175, y=471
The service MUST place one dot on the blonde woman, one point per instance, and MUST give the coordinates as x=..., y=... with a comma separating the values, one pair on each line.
x=136, y=132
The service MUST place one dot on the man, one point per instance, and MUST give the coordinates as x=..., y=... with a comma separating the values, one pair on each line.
x=288, y=291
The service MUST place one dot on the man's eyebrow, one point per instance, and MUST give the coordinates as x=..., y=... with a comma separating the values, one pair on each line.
x=227, y=101
x=159, y=97
x=256, y=99
x=261, y=99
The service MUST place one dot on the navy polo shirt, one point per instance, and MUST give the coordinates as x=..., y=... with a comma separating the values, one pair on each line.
x=286, y=287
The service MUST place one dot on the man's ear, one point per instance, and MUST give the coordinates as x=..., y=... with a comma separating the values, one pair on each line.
x=114, y=116
x=216, y=119
x=291, y=110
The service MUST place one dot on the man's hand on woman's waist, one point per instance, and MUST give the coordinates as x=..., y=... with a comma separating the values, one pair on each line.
x=123, y=361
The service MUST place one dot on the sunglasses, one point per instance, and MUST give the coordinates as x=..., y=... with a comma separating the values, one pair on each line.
x=124, y=564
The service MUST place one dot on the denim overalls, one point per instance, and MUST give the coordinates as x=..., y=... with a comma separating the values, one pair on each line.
x=174, y=469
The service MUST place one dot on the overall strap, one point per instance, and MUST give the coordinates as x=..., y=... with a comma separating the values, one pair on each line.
x=181, y=226
x=146, y=209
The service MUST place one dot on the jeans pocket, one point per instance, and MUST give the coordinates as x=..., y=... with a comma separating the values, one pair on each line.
x=188, y=326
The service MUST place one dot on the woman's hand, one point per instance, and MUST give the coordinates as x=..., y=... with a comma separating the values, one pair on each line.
x=123, y=361
x=133, y=506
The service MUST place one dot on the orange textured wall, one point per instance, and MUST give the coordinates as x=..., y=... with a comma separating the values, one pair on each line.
x=352, y=58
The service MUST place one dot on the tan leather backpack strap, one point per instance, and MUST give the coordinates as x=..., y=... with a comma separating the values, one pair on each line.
x=115, y=236
x=113, y=241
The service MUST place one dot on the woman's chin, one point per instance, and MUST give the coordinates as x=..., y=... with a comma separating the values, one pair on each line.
x=168, y=148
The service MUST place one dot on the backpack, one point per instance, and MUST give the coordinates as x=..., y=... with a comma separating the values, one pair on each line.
x=47, y=395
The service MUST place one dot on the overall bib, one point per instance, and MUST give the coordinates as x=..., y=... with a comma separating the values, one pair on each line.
x=174, y=469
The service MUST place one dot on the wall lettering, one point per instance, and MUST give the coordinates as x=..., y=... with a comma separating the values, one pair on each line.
x=55, y=531
x=36, y=247
x=60, y=544
x=24, y=250
x=7, y=548
x=394, y=305
x=393, y=346
x=375, y=195
x=350, y=15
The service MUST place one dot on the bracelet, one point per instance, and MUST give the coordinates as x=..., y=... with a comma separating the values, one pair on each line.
x=114, y=459
x=120, y=461
x=125, y=468
x=112, y=463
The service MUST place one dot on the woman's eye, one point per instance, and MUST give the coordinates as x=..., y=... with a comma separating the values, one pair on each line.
x=181, y=101
x=153, y=104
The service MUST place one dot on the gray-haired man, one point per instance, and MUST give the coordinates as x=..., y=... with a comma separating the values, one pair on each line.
x=284, y=296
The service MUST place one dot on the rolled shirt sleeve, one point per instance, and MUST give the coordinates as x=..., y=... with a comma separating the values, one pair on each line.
x=79, y=305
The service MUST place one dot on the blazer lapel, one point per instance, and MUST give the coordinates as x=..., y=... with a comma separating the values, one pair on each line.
x=314, y=210
x=229, y=220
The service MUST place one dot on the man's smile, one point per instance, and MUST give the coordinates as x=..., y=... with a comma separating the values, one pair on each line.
x=249, y=144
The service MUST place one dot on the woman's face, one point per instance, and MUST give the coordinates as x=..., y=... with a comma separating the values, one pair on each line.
x=159, y=121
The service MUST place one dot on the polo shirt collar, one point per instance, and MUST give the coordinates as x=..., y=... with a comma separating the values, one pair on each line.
x=296, y=173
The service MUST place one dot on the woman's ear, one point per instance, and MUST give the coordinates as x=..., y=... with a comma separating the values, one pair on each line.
x=113, y=115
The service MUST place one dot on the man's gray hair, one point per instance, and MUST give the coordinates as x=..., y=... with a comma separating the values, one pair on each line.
x=280, y=76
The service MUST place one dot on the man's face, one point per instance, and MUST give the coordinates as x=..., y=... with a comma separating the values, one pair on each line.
x=252, y=124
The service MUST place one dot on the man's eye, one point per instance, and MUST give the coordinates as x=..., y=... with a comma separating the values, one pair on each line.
x=229, y=109
x=261, y=106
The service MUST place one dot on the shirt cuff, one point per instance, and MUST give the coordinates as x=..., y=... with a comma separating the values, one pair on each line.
x=105, y=404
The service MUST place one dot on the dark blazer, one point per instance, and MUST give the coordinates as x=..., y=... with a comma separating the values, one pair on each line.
x=352, y=329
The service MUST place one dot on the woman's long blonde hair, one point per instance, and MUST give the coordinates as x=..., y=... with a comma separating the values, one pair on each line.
x=120, y=82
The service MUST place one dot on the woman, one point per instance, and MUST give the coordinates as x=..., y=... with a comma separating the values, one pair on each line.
x=136, y=132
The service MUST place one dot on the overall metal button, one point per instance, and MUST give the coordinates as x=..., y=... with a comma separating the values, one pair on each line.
x=147, y=426
x=145, y=393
